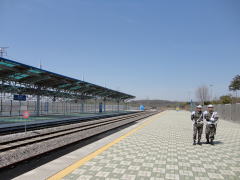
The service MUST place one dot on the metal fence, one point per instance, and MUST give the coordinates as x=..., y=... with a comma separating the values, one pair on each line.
x=229, y=111
x=16, y=108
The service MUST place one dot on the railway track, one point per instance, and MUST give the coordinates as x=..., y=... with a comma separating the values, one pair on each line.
x=16, y=128
x=16, y=148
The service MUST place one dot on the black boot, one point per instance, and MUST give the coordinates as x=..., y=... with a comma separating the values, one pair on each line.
x=211, y=142
x=207, y=142
x=199, y=142
x=194, y=142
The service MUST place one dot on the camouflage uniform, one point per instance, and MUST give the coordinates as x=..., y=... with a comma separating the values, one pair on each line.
x=197, y=118
x=211, y=119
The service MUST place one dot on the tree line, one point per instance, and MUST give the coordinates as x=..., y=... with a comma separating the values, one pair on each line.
x=205, y=97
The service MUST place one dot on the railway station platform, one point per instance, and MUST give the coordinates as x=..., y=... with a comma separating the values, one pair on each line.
x=160, y=147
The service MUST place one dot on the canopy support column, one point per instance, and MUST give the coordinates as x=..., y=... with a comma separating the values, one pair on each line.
x=95, y=105
x=104, y=105
x=82, y=104
x=38, y=101
x=118, y=108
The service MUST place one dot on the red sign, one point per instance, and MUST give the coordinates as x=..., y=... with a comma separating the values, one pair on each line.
x=26, y=115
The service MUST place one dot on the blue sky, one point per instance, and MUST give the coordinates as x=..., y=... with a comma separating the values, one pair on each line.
x=149, y=48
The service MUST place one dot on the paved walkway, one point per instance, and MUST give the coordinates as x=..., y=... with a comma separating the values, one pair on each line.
x=163, y=150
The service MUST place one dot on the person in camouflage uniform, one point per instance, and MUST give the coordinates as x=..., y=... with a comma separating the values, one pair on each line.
x=211, y=118
x=197, y=118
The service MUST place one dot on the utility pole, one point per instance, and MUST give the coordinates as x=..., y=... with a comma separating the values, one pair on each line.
x=3, y=51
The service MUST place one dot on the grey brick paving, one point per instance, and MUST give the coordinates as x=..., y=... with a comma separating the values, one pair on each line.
x=163, y=150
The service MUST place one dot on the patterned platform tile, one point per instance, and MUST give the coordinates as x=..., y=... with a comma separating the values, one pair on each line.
x=163, y=150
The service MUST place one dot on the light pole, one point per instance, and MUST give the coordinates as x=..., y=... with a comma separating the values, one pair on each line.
x=211, y=91
x=190, y=101
x=3, y=51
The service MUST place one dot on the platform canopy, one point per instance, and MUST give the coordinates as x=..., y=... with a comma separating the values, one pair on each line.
x=24, y=79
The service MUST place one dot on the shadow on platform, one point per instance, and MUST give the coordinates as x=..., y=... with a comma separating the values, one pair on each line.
x=215, y=142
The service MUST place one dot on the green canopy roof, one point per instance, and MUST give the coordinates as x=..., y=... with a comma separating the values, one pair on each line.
x=30, y=80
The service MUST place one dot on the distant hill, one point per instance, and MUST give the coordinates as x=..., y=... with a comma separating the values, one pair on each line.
x=155, y=103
